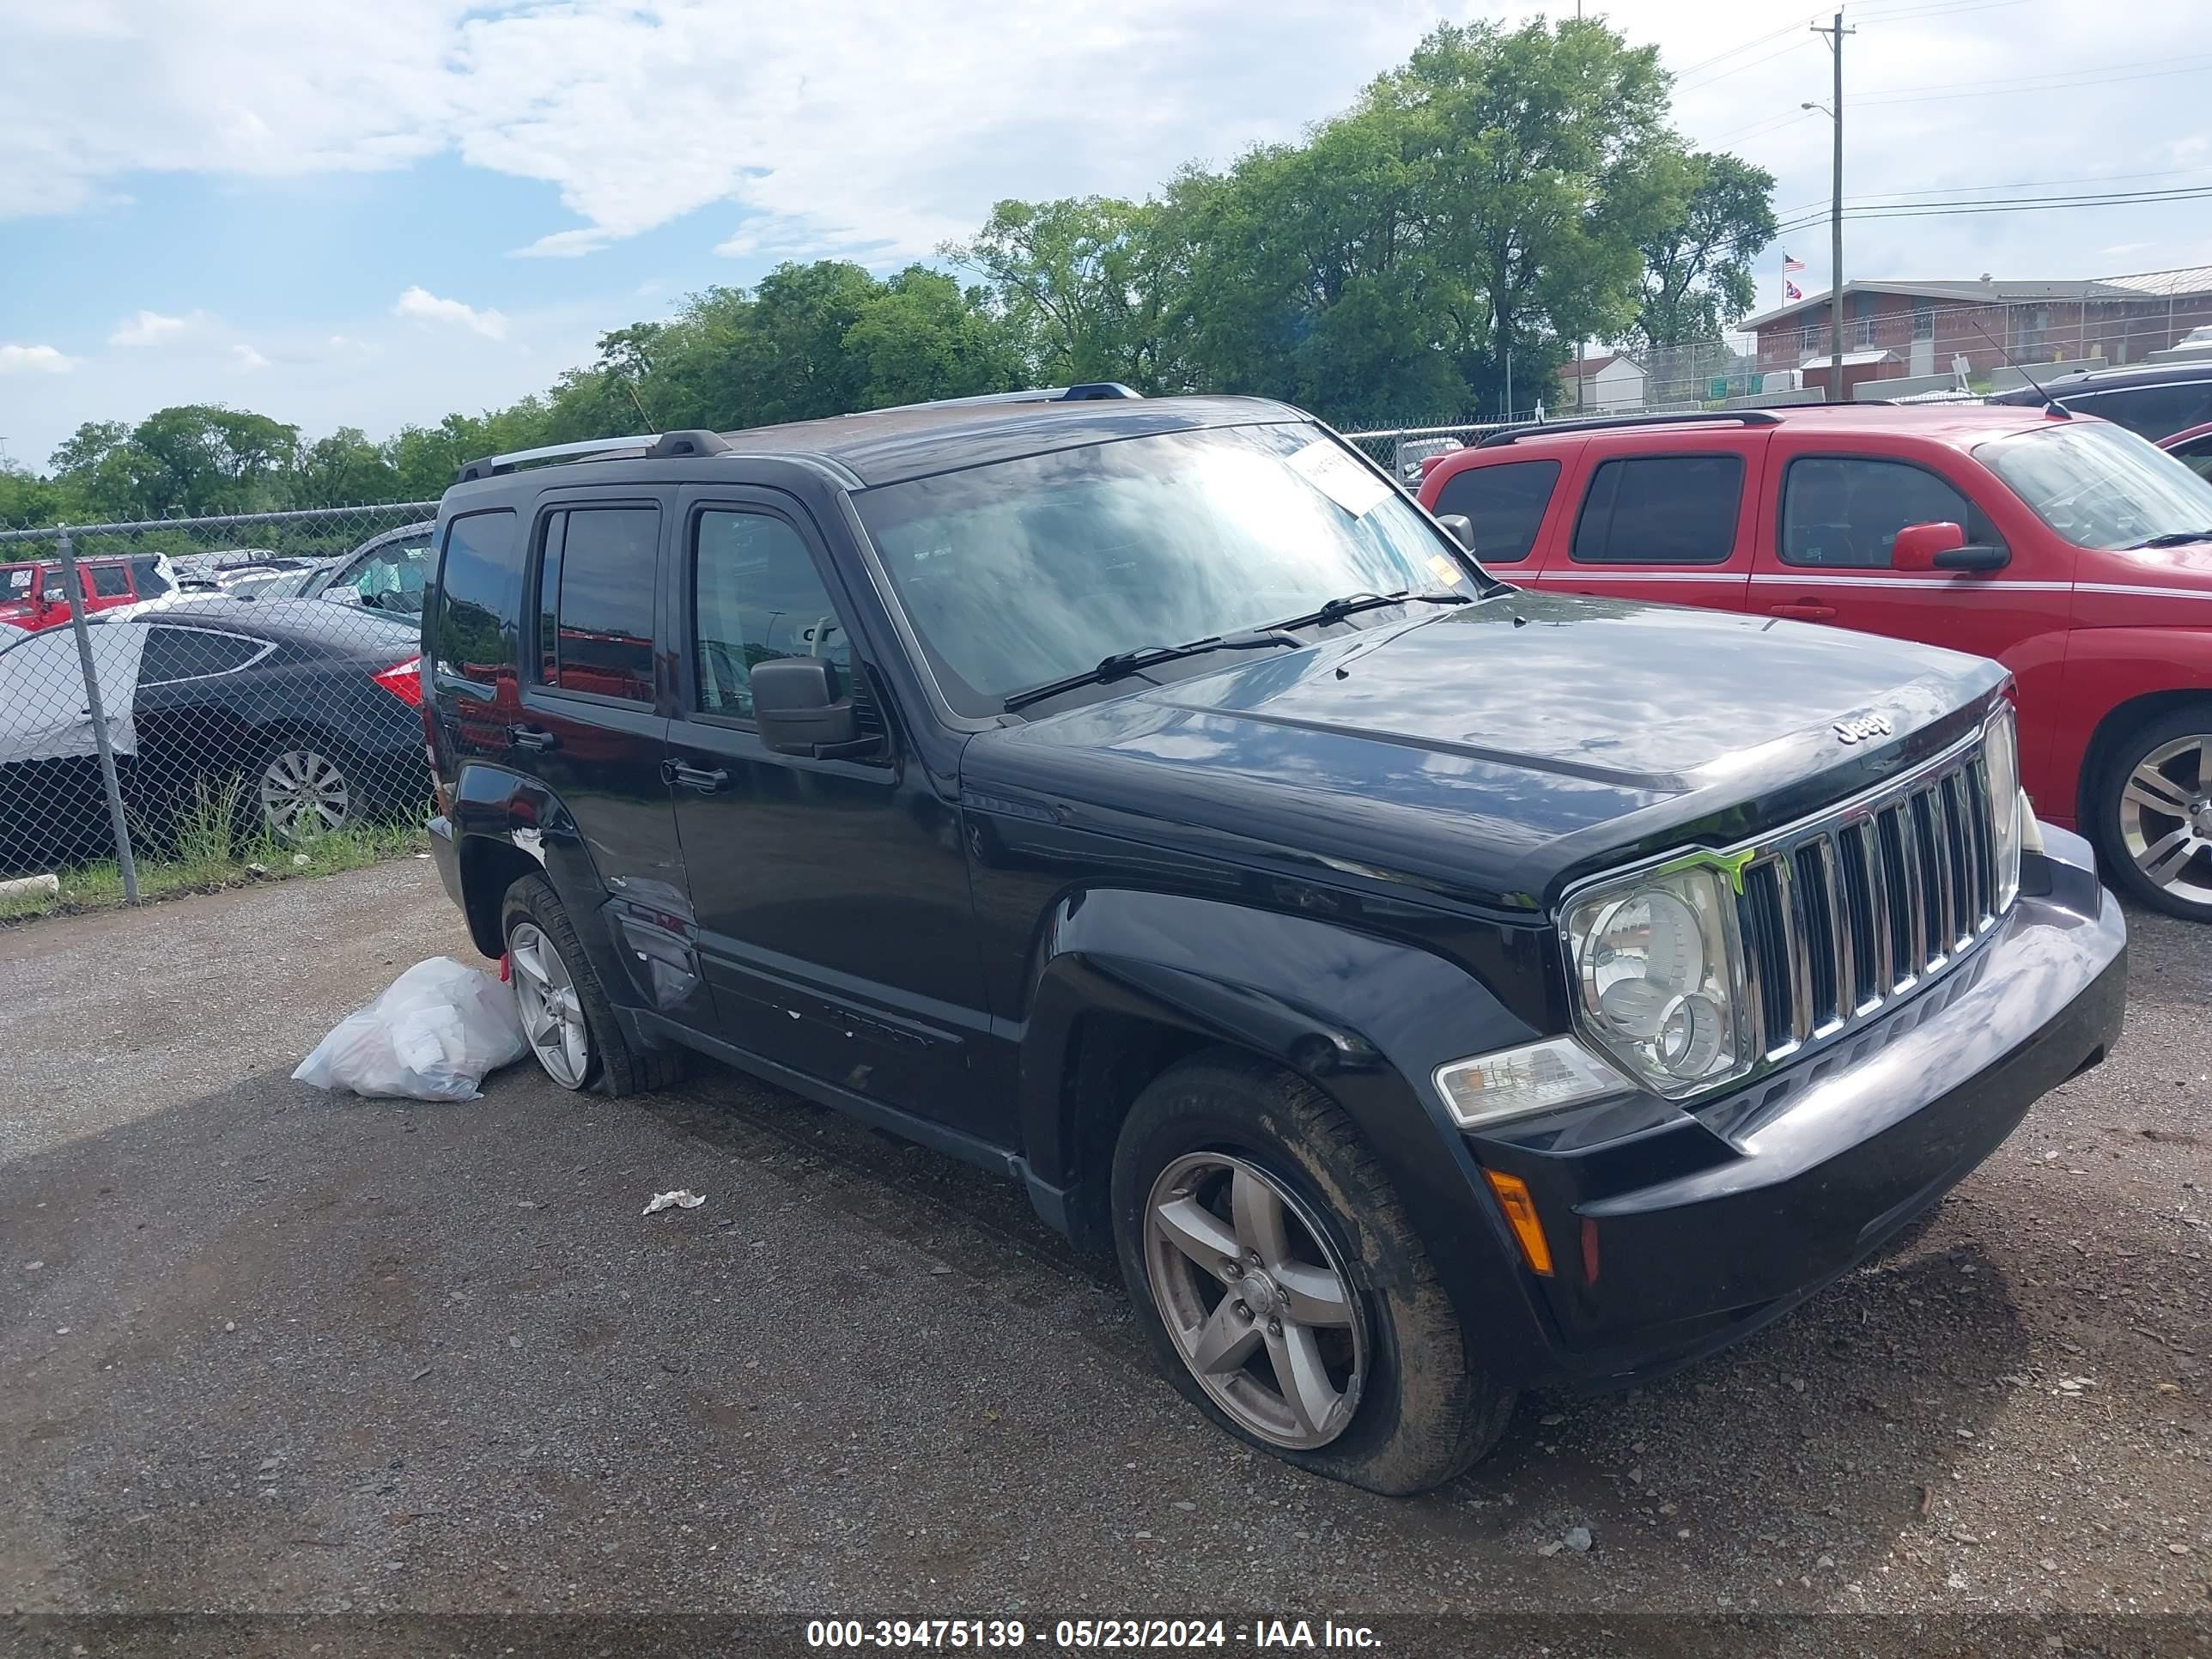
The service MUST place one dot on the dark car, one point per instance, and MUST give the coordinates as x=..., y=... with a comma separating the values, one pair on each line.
x=308, y=713
x=2153, y=400
x=1427, y=987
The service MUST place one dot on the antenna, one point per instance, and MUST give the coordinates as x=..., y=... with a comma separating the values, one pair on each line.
x=2050, y=405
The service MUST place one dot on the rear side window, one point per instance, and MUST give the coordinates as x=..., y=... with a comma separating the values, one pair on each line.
x=1661, y=509
x=1843, y=512
x=1505, y=504
x=110, y=581
x=595, y=588
x=194, y=654
x=479, y=592
x=2150, y=411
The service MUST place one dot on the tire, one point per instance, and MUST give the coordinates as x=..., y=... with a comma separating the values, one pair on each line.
x=534, y=912
x=1404, y=1404
x=2153, y=806
x=304, y=785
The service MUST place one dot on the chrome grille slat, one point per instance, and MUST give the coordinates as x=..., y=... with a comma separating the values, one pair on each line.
x=1915, y=895
x=1846, y=996
x=1843, y=915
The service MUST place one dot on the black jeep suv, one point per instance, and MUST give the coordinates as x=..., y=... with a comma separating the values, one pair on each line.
x=1426, y=986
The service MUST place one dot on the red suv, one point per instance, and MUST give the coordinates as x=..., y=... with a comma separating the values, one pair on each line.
x=36, y=595
x=2071, y=550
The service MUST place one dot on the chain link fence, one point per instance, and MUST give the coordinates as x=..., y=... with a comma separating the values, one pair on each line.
x=208, y=690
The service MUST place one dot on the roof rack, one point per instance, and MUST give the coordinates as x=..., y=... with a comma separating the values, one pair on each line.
x=1087, y=391
x=1606, y=423
x=651, y=446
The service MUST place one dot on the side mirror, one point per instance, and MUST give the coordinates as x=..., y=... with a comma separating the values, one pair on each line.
x=797, y=709
x=1943, y=546
x=1461, y=526
x=1916, y=545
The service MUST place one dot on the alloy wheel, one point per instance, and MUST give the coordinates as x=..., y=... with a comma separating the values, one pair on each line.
x=552, y=1014
x=2166, y=818
x=304, y=793
x=1256, y=1300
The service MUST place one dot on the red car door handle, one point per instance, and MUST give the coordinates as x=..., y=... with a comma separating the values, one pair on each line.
x=1807, y=611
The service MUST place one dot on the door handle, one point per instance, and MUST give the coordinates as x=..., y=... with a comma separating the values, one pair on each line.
x=531, y=737
x=695, y=777
x=1804, y=610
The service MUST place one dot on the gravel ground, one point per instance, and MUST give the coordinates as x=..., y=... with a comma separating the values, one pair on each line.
x=261, y=1350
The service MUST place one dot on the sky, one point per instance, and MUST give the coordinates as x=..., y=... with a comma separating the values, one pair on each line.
x=371, y=212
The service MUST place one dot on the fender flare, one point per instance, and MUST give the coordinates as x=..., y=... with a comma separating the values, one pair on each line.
x=493, y=807
x=1366, y=1018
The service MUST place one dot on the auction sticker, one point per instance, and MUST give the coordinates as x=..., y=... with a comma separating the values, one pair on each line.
x=1337, y=475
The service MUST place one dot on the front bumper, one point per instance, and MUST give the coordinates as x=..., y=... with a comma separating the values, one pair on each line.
x=1705, y=1229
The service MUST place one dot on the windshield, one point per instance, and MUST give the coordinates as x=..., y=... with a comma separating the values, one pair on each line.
x=2099, y=485
x=1026, y=571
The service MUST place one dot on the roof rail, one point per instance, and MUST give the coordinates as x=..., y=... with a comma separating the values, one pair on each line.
x=651, y=446
x=1087, y=391
x=1605, y=423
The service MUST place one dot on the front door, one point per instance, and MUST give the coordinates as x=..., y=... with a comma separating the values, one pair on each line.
x=1671, y=527
x=1828, y=558
x=832, y=895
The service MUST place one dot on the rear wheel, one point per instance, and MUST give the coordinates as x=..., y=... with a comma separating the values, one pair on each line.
x=570, y=1025
x=307, y=788
x=2154, y=812
x=1283, y=1287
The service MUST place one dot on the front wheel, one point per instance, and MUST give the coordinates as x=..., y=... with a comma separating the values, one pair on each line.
x=1283, y=1287
x=2154, y=812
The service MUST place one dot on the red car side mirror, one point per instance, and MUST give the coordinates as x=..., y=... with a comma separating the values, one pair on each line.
x=1917, y=545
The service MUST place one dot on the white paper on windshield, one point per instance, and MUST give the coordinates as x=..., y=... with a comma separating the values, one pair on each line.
x=1338, y=476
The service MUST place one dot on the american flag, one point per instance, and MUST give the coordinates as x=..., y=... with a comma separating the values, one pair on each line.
x=1789, y=265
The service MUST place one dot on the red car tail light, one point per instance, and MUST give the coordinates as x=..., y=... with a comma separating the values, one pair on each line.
x=403, y=680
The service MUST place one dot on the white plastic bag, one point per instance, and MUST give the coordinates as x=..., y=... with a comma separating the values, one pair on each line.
x=432, y=1036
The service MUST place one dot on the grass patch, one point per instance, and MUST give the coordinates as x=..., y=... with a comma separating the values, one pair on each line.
x=209, y=854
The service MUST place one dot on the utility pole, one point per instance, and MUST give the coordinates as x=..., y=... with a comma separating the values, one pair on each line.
x=1836, y=32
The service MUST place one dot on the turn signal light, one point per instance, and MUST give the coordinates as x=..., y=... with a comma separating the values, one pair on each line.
x=1521, y=1216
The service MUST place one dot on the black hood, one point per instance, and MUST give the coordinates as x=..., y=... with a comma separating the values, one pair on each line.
x=1497, y=751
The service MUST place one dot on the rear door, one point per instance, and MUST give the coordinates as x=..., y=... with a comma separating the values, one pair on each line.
x=1665, y=517
x=589, y=722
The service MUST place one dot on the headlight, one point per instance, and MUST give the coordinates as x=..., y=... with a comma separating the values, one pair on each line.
x=2008, y=806
x=1657, y=964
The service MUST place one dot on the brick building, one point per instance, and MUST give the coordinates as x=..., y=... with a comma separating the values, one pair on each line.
x=1920, y=328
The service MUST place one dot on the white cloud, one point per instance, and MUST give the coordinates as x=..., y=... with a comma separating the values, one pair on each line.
x=845, y=125
x=426, y=306
x=34, y=360
x=147, y=328
x=246, y=357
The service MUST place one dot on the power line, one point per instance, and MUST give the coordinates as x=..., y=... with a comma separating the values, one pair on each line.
x=2095, y=75
x=2034, y=204
x=1885, y=197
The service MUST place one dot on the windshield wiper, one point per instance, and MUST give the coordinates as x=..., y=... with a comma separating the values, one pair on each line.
x=1337, y=610
x=2172, y=538
x=1123, y=663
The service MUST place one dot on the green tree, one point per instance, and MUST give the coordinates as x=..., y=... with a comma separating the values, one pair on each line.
x=920, y=336
x=342, y=468
x=1088, y=287
x=1697, y=263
